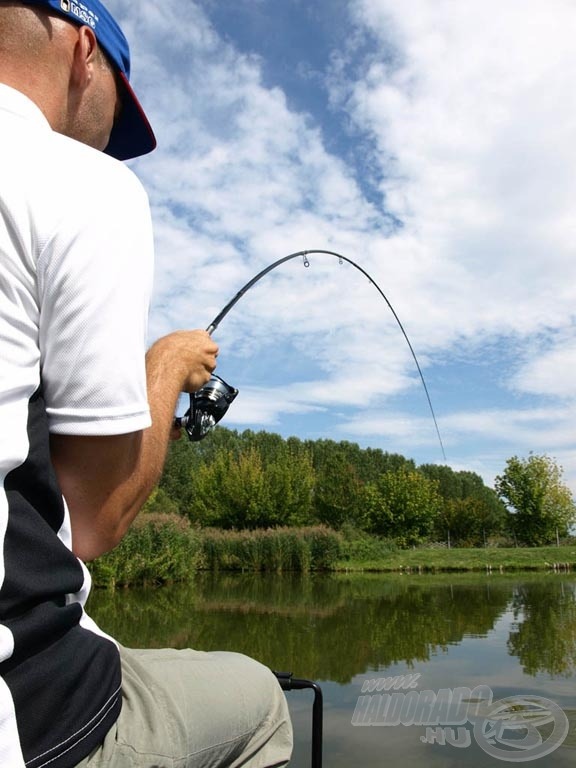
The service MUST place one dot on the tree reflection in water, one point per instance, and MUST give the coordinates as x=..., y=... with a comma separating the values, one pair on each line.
x=335, y=627
x=544, y=634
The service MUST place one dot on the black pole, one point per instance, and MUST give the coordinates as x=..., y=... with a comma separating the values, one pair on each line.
x=289, y=683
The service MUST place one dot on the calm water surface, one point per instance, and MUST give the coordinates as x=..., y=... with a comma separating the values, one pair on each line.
x=516, y=635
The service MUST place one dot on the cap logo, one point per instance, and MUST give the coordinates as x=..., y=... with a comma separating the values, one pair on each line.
x=79, y=10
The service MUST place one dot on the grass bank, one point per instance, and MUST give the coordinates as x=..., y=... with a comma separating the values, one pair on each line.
x=429, y=560
x=361, y=552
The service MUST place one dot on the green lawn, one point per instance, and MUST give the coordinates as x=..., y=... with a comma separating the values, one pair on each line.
x=505, y=559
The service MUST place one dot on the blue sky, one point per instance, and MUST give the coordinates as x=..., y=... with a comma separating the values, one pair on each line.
x=430, y=141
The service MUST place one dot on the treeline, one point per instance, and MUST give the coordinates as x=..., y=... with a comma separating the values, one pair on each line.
x=252, y=480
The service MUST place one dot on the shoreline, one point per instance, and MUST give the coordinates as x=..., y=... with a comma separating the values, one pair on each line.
x=460, y=560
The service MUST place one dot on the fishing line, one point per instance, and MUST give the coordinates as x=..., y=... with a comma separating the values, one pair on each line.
x=208, y=405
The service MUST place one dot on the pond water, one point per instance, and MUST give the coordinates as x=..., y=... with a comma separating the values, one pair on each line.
x=512, y=636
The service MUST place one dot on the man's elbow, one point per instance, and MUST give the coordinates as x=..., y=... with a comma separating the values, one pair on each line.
x=88, y=543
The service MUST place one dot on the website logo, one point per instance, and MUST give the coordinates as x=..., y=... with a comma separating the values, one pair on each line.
x=515, y=729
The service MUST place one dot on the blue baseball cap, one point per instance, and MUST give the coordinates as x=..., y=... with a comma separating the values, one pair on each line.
x=131, y=134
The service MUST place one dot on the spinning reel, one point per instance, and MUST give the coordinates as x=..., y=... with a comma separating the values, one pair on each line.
x=207, y=406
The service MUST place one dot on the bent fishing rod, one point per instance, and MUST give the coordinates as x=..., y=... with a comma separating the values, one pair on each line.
x=209, y=404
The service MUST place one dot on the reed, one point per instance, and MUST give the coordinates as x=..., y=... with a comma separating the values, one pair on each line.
x=162, y=548
x=274, y=550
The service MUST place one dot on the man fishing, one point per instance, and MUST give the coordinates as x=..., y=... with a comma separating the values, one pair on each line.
x=86, y=415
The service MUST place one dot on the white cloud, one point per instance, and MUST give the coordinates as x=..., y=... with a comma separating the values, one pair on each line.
x=551, y=372
x=477, y=113
x=263, y=405
x=540, y=428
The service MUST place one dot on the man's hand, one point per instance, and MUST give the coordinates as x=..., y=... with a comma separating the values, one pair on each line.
x=191, y=356
x=194, y=351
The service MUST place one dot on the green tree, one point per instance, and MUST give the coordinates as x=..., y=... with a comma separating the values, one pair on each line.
x=160, y=503
x=449, y=482
x=337, y=484
x=184, y=460
x=337, y=493
x=231, y=491
x=541, y=505
x=243, y=489
x=403, y=505
x=469, y=521
x=471, y=512
x=291, y=481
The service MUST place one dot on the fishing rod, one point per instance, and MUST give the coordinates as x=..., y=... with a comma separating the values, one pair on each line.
x=209, y=404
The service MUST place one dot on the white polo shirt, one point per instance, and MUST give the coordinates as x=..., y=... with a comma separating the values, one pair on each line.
x=76, y=262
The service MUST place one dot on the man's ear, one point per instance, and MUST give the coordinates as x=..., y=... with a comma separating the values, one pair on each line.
x=85, y=56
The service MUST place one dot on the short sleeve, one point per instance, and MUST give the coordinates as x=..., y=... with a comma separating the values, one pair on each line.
x=94, y=284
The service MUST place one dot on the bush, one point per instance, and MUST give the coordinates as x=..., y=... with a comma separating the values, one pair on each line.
x=362, y=547
x=158, y=548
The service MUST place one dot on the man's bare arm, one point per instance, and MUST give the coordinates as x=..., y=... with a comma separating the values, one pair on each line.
x=105, y=480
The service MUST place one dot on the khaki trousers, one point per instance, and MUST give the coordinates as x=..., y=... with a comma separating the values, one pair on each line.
x=190, y=709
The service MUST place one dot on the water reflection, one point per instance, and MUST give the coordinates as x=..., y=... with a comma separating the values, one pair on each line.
x=544, y=632
x=516, y=635
x=336, y=627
